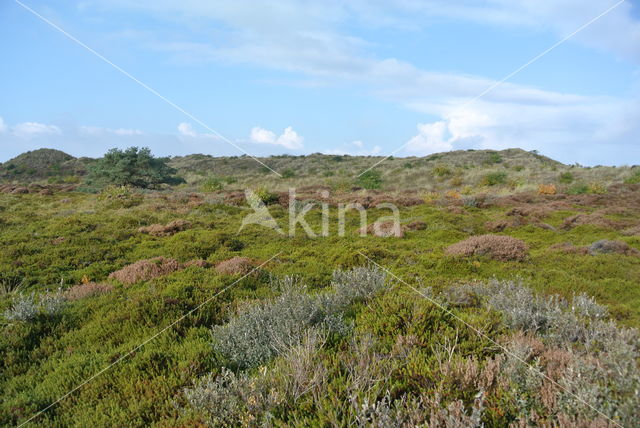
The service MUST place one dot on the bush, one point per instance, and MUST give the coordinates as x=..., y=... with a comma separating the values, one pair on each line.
x=633, y=178
x=606, y=246
x=212, y=184
x=371, y=179
x=494, y=246
x=547, y=189
x=26, y=308
x=566, y=178
x=235, y=266
x=266, y=195
x=288, y=173
x=169, y=229
x=269, y=328
x=494, y=179
x=132, y=167
x=578, y=189
x=441, y=171
x=144, y=270
x=494, y=157
x=23, y=309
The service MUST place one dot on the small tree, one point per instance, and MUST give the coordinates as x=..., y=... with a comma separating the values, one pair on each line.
x=371, y=179
x=132, y=167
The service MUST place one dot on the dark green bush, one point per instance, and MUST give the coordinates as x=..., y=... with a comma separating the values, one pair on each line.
x=371, y=179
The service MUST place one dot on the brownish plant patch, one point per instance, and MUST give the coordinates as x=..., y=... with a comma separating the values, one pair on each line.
x=90, y=289
x=169, y=229
x=144, y=270
x=235, y=266
x=385, y=229
x=497, y=247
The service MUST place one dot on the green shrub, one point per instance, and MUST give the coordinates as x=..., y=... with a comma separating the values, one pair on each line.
x=267, y=196
x=566, y=178
x=212, y=184
x=494, y=179
x=494, y=157
x=371, y=179
x=441, y=171
x=578, y=189
x=132, y=167
x=288, y=173
x=634, y=178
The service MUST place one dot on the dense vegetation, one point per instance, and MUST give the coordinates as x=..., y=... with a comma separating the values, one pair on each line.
x=431, y=327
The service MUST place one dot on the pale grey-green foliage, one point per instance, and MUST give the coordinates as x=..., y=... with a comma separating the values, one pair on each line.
x=603, y=369
x=24, y=308
x=358, y=284
x=260, y=333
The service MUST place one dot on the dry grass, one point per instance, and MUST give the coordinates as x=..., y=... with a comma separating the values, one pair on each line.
x=497, y=247
x=144, y=270
x=165, y=230
x=605, y=246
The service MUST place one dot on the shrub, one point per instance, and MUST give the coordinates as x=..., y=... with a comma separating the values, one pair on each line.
x=633, y=178
x=371, y=179
x=169, y=229
x=358, y=284
x=24, y=308
x=494, y=246
x=132, y=167
x=212, y=184
x=441, y=171
x=145, y=270
x=566, y=178
x=269, y=328
x=266, y=195
x=89, y=289
x=494, y=157
x=597, y=189
x=547, y=189
x=27, y=308
x=235, y=266
x=606, y=246
x=578, y=189
x=494, y=179
x=288, y=173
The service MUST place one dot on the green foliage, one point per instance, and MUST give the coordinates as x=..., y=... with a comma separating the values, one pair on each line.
x=132, y=167
x=494, y=157
x=578, y=189
x=494, y=179
x=442, y=171
x=267, y=196
x=212, y=184
x=633, y=178
x=566, y=178
x=371, y=179
x=288, y=173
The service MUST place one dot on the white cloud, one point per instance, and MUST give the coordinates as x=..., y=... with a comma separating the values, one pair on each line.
x=28, y=130
x=431, y=138
x=358, y=143
x=99, y=131
x=289, y=139
x=3, y=126
x=187, y=130
x=262, y=136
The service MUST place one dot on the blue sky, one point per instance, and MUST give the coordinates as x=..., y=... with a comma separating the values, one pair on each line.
x=358, y=77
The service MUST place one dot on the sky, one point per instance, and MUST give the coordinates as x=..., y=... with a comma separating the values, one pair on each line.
x=360, y=77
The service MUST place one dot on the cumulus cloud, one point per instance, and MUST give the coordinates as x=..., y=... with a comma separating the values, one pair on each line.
x=289, y=138
x=28, y=130
x=3, y=126
x=187, y=130
x=431, y=138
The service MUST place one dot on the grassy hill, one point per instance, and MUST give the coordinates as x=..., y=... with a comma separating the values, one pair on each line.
x=41, y=164
x=495, y=304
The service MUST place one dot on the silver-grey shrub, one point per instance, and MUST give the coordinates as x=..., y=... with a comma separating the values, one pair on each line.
x=24, y=308
x=358, y=284
x=264, y=330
